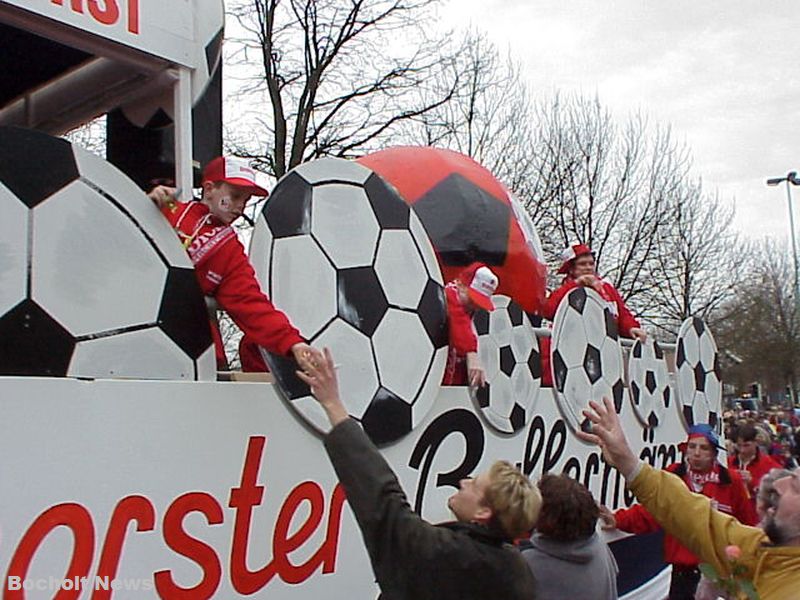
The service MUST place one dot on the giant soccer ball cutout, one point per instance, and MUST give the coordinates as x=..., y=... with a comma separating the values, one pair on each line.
x=651, y=394
x=698, y=374
x=350, y=264
x=469, y=215
x=586, y=355
x=94, y=282
x=509, y=353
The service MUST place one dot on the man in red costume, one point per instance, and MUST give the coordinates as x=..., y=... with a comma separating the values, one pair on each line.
x=221, y=265
x=472, y=290
x=578, y=266
x=750, y=462
x=702, y=473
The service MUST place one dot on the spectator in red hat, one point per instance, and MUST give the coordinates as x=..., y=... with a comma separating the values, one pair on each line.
x=703, y=474
x=222, y=268
x=472, y=290
x=578, y=267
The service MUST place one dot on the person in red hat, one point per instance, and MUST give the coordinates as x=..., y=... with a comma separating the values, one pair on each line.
x=578, y=268
x=221, y=265
x=472, y=290
x=703, y=474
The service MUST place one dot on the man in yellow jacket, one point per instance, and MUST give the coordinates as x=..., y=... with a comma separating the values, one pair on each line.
x=771, y=554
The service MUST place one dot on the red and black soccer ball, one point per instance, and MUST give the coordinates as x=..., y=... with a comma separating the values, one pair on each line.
x=469, y=216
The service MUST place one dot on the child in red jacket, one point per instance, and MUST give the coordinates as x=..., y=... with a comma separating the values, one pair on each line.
x=472, y=290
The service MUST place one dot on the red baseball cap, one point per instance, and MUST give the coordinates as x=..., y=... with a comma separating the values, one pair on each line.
x=481, y=284
x=571, y=253
x=235, y=172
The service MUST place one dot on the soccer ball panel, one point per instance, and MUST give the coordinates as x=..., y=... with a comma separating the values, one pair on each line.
x=13, y=250
x=362, y=302
x=698, y=387
x=207, y=365
x=611, y=360
x=388, y=206
x=260, y=253
x=507, y=401
x=304, y=284
x=708, y=353
x=387, y=418
x=432, y=313
x=147, y=353
x=489, y=354
x=312, y=413
x=344, y=224
x=399, y=342
x=500, y=326
x=595, y=327
x=33, y=165
x=333, y=169
x=358, y=379
x=183, y=315
x=400, y=268
x=33, y=342
x=288, y=210
x=425, y=248
x=133, y=200
x=430, y=387
x=85, y=259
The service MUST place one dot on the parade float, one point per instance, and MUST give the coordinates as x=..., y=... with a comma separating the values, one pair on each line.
x=130, y=470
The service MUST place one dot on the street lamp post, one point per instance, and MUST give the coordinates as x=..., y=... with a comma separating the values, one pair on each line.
x=791, y=179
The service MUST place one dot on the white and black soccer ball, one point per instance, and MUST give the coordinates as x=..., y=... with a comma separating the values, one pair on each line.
x=509, y=352
x=698, y=374
x=651, y=394
x=341, y=253
x=95, y=283
x=586, y=355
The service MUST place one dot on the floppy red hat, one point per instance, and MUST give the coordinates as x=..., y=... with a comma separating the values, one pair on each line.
x=481, y=284
x=233, y=171
x=571, y=253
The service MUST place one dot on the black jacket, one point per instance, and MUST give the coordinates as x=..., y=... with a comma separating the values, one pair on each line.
x=412, y=559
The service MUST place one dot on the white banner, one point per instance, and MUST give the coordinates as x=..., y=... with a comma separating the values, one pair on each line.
x=153, y=489
x=163, y=28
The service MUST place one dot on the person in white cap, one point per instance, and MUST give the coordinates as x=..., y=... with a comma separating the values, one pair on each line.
x=221, y=265
x=472, y=290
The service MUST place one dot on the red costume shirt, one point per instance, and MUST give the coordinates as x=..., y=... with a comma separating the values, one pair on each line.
x=727, y=492
x=224, y=272
x=463, y=338
x=758, y=467
x=625, y=319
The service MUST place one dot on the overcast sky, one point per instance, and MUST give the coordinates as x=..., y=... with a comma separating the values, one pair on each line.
x=723, y=73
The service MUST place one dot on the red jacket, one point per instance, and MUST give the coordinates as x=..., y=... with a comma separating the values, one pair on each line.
x=463, y=338
x=758, y=467
x=728, y=495
x=625, y=319
x=224, y=272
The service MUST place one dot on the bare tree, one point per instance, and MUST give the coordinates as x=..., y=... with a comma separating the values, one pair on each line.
x=336, y=78
x=762, y=328
x=699, y=260
x=488, y=114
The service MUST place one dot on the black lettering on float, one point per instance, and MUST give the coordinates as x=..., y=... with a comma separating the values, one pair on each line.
x=647, y=454
x=457, y=421
x=536, y=429
x=592, y=468
x=668, y=454
x=551, y=456
x=573, y=469
x=604, y=487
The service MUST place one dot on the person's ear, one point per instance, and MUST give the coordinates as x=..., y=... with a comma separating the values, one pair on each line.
x=483, y=515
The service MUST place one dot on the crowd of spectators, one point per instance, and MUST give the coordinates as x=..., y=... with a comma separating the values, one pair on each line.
x=776, y=434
